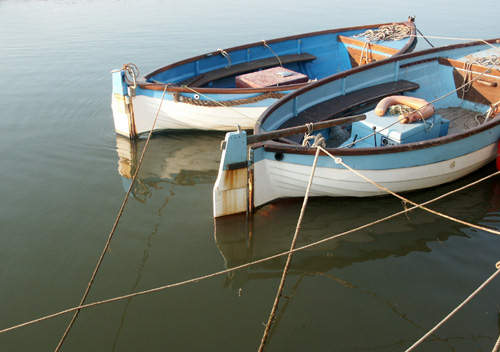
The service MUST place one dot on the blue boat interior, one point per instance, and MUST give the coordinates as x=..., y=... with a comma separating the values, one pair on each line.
x=315, y=55
x=465, y=93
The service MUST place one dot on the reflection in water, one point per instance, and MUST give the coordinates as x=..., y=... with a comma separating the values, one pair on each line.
x=182, y=159
x=269, y=231
x=241, y=239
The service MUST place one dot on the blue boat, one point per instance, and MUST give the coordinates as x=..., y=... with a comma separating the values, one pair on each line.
x=214, y=92
x=460, y=85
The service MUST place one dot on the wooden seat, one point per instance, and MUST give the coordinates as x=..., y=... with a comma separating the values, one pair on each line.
x=341, y=104
x=204, y=78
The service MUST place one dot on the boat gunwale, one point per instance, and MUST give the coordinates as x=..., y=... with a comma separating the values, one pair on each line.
x=297, y=149
x=172, y=87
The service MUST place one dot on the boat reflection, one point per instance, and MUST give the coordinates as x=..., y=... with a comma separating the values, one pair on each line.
x=181, y=159
x=270, y=230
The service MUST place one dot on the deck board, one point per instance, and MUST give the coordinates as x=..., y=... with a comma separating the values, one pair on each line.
x=460, y=119
x=335, y=106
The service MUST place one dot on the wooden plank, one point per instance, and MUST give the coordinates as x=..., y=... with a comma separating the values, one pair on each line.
x=493, y=71
x=341, y=104
x=484, y=90
x=302, y=129
x=371, y=46
x=237, y=69
x=359, y=58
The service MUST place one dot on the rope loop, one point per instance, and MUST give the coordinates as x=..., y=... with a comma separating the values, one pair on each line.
x=131, y=72
x=226, y=55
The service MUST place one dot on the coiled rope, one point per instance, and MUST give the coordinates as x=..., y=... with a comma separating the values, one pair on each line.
x=389, y=32
x=113, y=229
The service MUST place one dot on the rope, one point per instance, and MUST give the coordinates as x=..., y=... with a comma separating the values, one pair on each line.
x=452, y=313
x=289, y=257
x=272, y=51
x=234, y=102
x=496, y=348
x=218, y=103
x=385, y=189
x=131, y=73
x=226, y=55
x=390, y=32
x=115, y=225
x=427, y=40
x=423, y=106
x=456, y=38
x=246, y=265
x=366, y=48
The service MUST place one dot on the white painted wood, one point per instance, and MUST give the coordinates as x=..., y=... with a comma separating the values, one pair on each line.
x=179, y=116
x=276, y=179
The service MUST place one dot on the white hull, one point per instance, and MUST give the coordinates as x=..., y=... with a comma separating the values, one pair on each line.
x=277, y=179
x=181, y=116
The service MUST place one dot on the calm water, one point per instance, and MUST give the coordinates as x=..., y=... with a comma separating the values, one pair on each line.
x=64, y=174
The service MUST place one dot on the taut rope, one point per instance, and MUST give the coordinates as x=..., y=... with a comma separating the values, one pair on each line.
x=246, y=265
x=289, y=257
x=112, y=232
x=454, y=311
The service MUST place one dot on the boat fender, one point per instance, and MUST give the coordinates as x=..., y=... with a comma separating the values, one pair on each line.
x=424, y=109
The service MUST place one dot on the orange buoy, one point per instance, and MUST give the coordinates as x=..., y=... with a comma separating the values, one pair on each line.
x=424, y=110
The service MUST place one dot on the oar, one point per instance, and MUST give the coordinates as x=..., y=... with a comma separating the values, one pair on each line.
x=303, y=128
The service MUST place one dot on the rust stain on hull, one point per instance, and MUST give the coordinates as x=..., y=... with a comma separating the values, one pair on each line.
x=232, y=193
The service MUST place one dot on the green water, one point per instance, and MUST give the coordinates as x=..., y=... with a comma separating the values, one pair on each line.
x=64, y=174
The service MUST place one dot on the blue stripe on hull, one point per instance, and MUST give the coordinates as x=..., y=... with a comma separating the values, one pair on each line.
x=398, y=160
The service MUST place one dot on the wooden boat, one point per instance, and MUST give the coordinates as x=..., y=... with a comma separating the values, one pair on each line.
x=202, y=91
x=459, y=138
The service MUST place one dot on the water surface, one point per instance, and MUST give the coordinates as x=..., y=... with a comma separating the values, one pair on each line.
x=64, y=174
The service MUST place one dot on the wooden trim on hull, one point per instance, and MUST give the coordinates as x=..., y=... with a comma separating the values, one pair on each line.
x=473, y=67
x=370, y=46
x=298, y=149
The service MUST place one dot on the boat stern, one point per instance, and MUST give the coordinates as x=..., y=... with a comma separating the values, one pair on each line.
x=230, y=193
x=121, y=105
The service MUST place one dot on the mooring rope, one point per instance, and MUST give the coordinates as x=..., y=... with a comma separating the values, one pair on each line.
x=422, y=34
x=113, y=229
x=249, y=264
x=456, y=38
x=289, y=257
x=272, y=51
x=454, y=311
x=496, y=348
x=338, y=160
